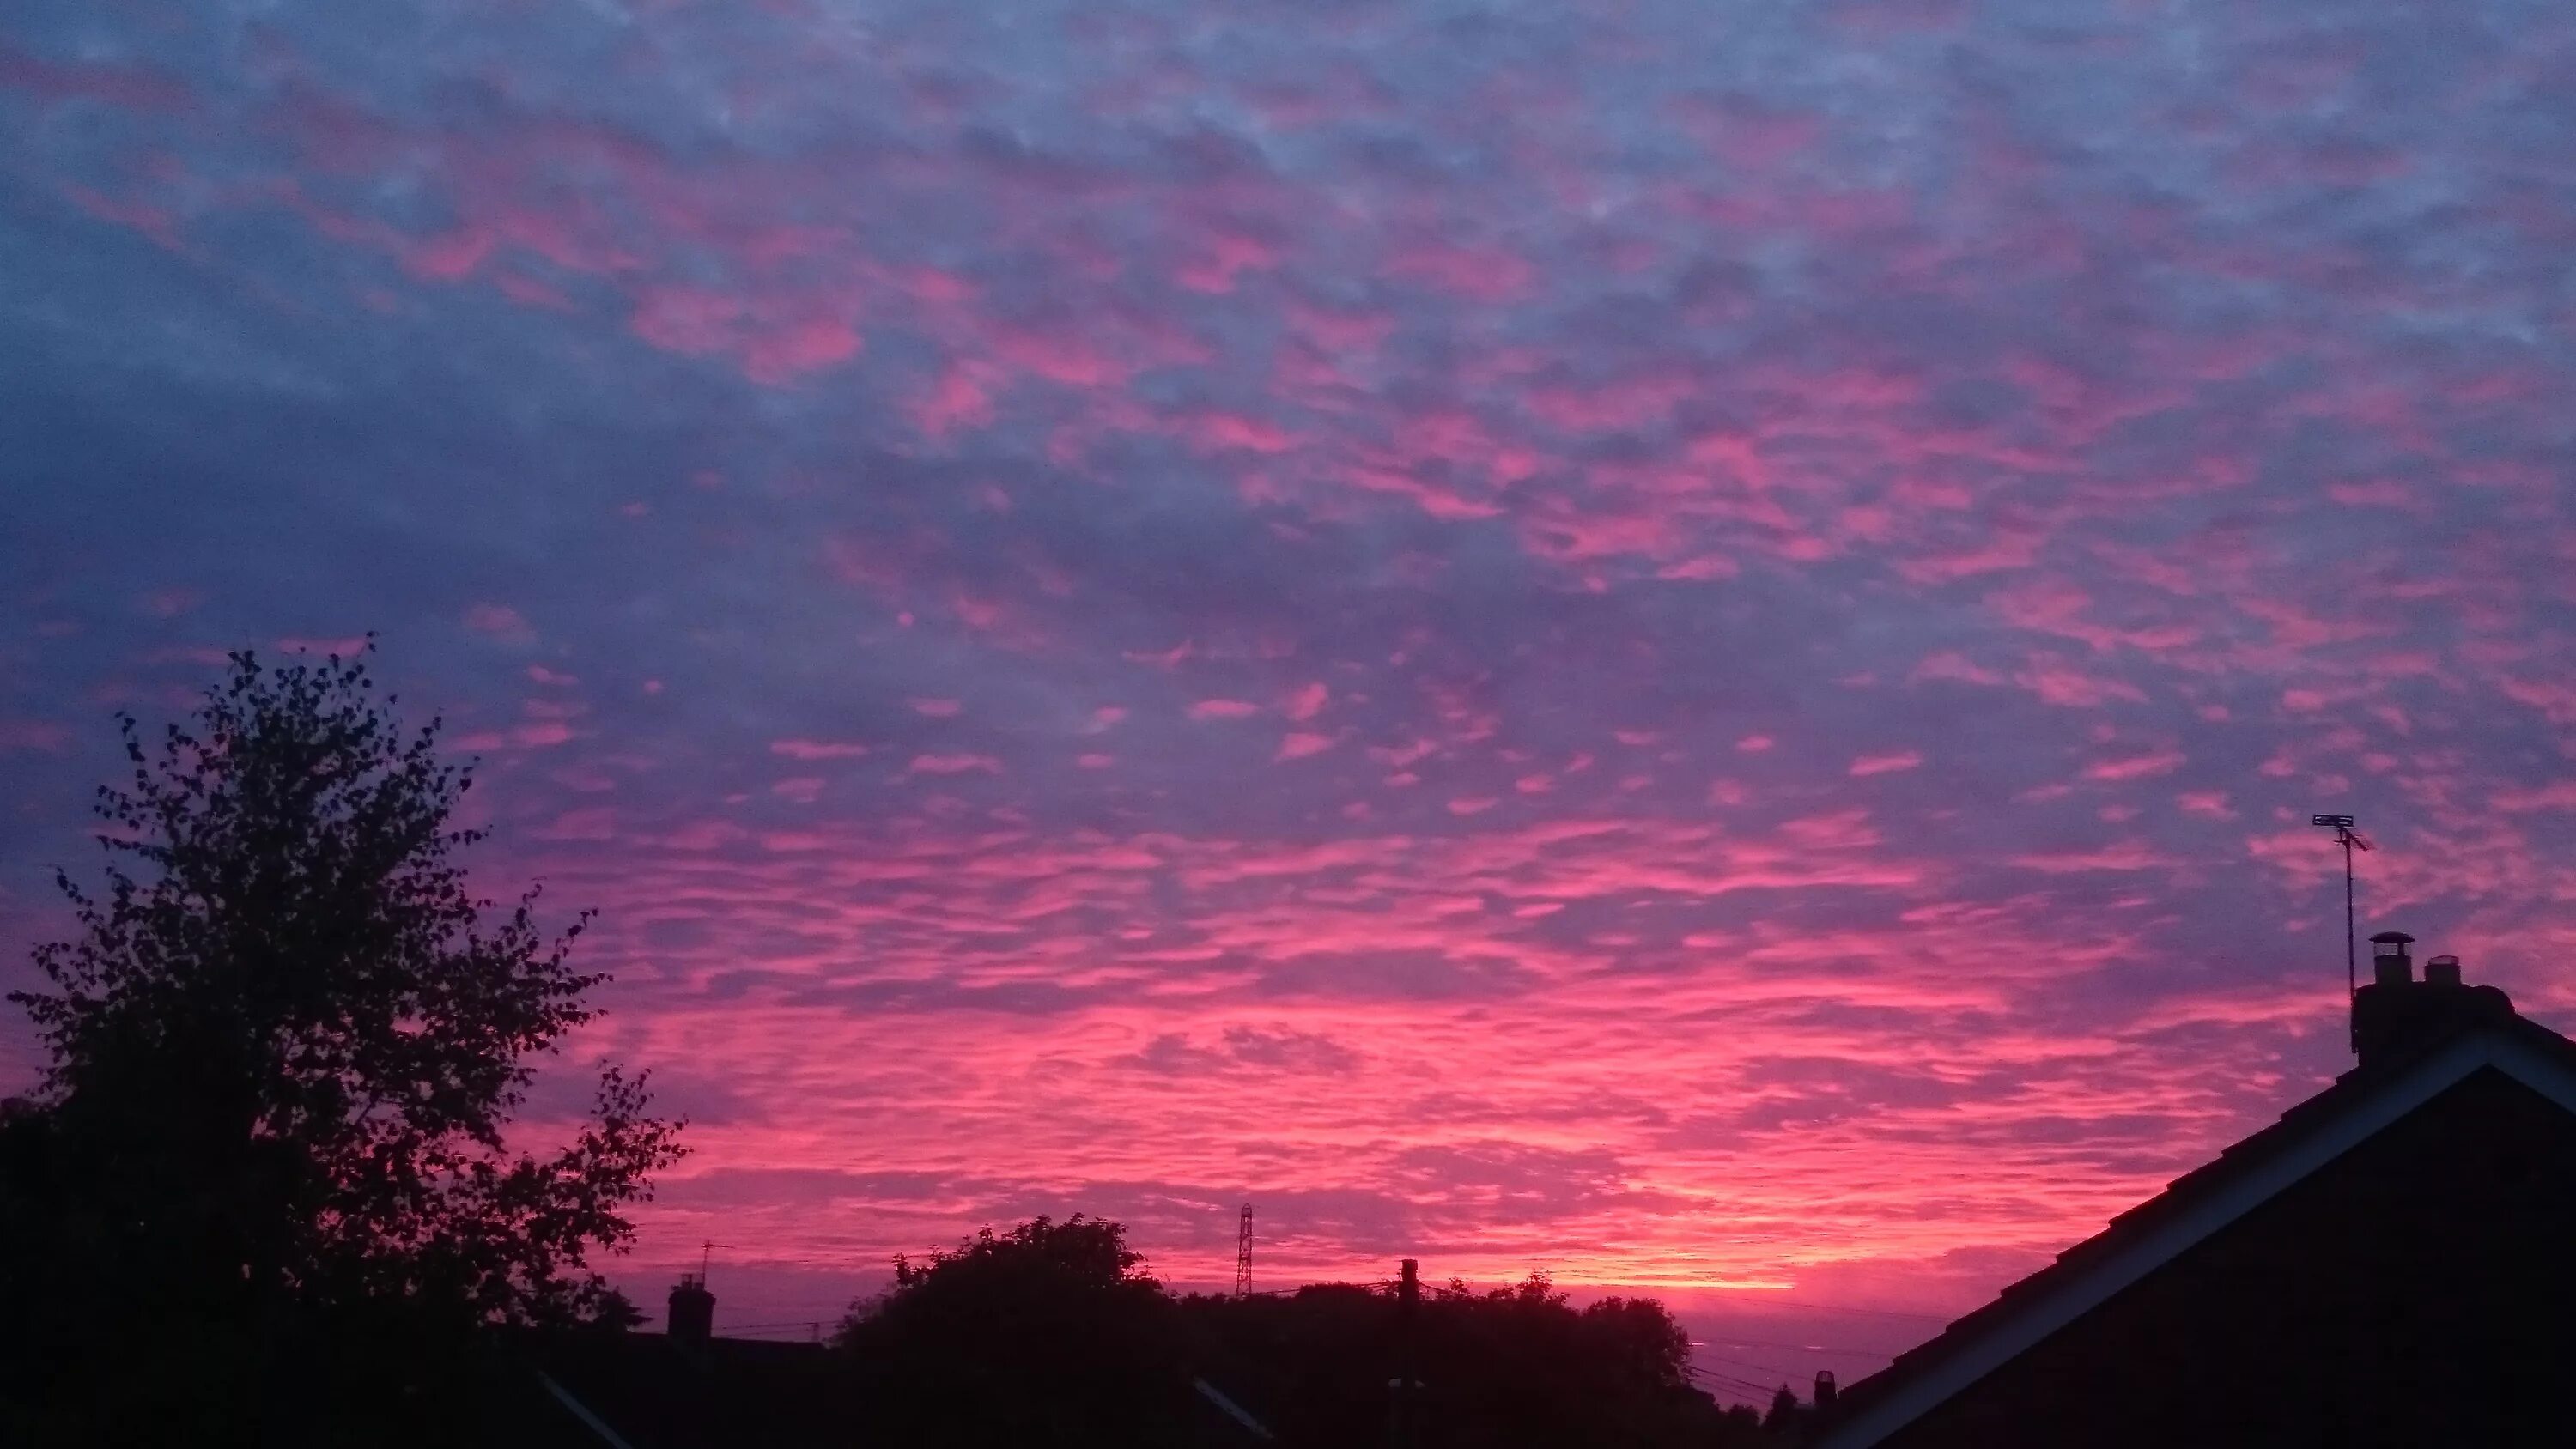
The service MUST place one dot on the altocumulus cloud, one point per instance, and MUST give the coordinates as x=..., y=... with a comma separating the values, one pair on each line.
x=1686, y=643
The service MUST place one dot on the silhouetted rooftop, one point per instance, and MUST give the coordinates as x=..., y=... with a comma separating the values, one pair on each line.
x=652, y=1393
x=2388, y=1082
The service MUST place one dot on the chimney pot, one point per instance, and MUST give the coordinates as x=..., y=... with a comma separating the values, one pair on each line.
x=2394, y=1014
x=1825, y=1389
x=2388, y=963
x=693, y=1313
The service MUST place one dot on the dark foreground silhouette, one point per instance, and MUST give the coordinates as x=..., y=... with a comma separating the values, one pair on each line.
x=262, y=1195
x=1054, y=1333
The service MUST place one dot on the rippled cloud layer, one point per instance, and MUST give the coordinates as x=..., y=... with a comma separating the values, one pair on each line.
x=1688, y=644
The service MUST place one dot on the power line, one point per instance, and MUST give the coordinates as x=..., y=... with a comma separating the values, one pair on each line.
x=1708, y=1375
x=1731, y=1382
x=1785, y=1371
x=1767, y=1300
x=1801, y=1347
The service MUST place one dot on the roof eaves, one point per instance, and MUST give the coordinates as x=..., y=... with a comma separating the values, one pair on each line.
x=581, y=1411
x=2193, y=1206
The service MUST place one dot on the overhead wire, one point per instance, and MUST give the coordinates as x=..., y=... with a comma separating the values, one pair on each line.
x=1841, y=1350
x=1767, y=1301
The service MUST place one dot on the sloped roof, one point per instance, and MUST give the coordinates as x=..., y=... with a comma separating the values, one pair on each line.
x=2192, y=1208
x=643, y=1391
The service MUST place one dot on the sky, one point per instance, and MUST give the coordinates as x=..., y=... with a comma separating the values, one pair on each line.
x=1684, y=644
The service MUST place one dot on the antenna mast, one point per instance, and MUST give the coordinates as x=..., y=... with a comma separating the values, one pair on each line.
x=2350, y=839
x=1243, y=1255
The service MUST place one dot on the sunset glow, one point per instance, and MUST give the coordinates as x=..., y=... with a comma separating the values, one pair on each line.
x=1685, y=645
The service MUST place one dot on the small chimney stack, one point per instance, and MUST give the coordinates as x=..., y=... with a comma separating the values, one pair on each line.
x=1825, y=1389
x=693, y=1313
x=2395, y=1013
x=2388, y=963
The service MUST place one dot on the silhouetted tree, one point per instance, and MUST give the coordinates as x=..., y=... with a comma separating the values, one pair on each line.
x=285, y=1045
x=1500, y=1367
x=1639, y=1341
x=1785, y=1413
x=609, y=1310
x=1049, y=1333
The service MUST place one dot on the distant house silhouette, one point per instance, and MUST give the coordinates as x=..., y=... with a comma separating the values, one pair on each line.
x=2391, y=1263
x=648, y=1391
x=683, y=1389
x=690, y=1388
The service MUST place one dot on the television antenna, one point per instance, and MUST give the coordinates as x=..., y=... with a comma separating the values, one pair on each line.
x=2351, y=840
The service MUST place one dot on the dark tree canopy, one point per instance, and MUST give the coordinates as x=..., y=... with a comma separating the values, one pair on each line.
x=1081, y=1254
x=1053, y=1333
x=287, y=1039
x=1049, y=1333
x=1498, y=1368
x=1785, y=1410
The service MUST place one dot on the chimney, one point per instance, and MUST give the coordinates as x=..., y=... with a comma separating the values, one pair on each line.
x=2388, y=963
x=693, y=1313
x=2396, y=1014
x=1825, y=1390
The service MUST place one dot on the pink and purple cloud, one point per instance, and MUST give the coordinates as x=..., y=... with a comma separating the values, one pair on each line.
x=1685, y=646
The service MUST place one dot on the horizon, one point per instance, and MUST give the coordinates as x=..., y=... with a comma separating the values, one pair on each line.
x=1791, y=1338
x=1684, y=648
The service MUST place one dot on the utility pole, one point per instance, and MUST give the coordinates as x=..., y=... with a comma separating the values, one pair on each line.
x=1401, y=1430
x=1243, y=1255
x=2349, y=839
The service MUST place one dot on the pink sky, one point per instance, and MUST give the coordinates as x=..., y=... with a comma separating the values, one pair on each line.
x=1685, y=646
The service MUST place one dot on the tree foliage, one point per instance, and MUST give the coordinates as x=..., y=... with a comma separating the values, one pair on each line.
x=1053, y=1333
x=1048, y=1333
x=288, y=1041
x=1079, y=1254
x=1498, y=1367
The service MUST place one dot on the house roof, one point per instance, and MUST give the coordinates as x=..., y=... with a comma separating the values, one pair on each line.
x=2192, y=1208
x=643, y=1391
